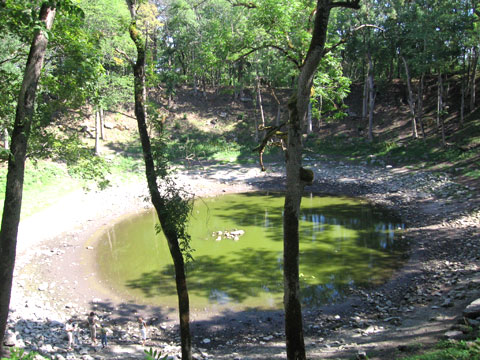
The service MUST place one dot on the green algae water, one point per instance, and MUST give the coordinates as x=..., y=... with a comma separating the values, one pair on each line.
x=238, y=242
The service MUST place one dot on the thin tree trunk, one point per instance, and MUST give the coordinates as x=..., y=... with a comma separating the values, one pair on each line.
x=320, y=106
x=97, y=132
x=462, y=103
x=309, y=119
x=365, y=99
x=260, y=102
x=6, y=145
x=279, y=110
x=371, y=98
x=411, y=101
x=473, y=77
x=16, y=162
x=103, y=134
x=420, y=104
x=441, y=107
x=157, y=200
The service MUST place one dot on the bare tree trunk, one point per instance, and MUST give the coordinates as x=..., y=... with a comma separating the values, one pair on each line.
x=365, y=99
x=371, y=97
x=16, y=162
x=279, y=109
x=6, y=145
x=462, y=103
x=320, y=106
x=157, y=200
x=260, y=103
x=420, y=104
x=441, y=108
x=97, y=132
x=103, y=134
x=309, y=119
x=473, y=77
x=411, y=101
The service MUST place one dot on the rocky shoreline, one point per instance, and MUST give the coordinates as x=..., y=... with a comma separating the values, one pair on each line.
x=53, y=280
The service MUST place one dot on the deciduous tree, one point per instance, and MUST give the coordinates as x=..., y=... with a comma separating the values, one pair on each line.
x=16, y=161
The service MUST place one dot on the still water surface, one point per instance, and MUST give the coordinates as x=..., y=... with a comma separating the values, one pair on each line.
x=345, y=243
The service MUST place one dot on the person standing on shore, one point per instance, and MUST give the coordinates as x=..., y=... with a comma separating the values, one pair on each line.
x=92, y=325
x=104, y=330
x=142, y=326
x=70, y=328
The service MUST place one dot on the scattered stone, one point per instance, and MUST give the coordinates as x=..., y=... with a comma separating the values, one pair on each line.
x=453, y=335
x=10, y=339
x=472, y=311
x=362, y=355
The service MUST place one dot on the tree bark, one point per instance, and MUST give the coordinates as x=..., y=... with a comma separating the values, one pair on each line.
x=97, y=133
x=103, y=134
x=365, y=99
x=462, y=102
x=6, y=144
x=371, y=97
x=298, y=110
x=411, y=101
x=420, y=104
x=473, y=77
x=441, y=107
x=16, y=162
x=158, y=201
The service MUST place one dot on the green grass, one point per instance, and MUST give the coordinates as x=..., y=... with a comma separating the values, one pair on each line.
x=429, y=154
x=45, y=182
x=451, y=350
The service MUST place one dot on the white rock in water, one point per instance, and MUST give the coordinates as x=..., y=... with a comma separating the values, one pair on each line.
x=237, y=232
x=206, y=341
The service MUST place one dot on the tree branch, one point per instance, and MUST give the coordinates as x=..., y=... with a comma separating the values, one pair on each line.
x=272, y=46
x=16, y=55
x=348, y=36
x=125, y=55
x=248, y=5
x=353, y=4
x=271, y=133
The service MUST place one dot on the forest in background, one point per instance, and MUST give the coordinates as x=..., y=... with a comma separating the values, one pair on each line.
x=411, y=61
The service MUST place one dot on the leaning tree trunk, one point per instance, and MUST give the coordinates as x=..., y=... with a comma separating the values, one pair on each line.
x=158, y=201
x=16, y=162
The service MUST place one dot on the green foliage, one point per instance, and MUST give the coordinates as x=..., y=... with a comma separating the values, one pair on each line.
x=330, y=87
x=178, y=203
x=20, y=354
x=151, y=354
x=458, y=350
